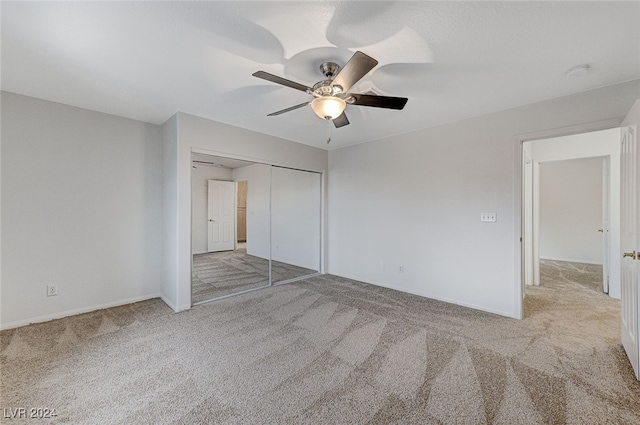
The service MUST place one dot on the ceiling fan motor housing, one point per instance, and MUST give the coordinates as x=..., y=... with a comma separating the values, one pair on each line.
x=325, y=88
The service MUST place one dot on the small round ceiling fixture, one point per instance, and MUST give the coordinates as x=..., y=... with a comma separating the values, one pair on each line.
x=578, y=71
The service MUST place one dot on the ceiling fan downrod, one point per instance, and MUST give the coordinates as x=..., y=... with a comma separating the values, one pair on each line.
x=329, y=69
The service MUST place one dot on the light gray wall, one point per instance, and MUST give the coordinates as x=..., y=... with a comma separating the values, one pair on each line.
x=200, y=177
x=81, y=208
x=415, y=200
x=571, y=210
x=115, y=197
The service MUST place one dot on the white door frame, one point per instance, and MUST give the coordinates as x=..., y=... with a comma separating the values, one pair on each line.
x=519, y=277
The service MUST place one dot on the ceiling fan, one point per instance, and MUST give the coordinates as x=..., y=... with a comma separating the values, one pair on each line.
x=331, y=96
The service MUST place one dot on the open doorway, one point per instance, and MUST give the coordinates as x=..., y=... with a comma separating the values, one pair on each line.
x=573, y=225
x=571, y=204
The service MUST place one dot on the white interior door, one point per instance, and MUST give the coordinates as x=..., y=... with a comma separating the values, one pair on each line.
x=630, y=243
x=222, y=222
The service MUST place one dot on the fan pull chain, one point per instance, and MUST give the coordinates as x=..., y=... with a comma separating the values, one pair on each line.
x=328, y=131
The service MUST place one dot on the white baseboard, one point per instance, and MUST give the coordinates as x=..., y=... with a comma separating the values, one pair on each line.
x=183, y=307
x=60, y=315
x=173, y=306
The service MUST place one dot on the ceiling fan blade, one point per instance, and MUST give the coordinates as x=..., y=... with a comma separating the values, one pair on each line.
x=280, y=80
x=357, y=67
x=341, y=121
x=288, y=109
x=378, y=101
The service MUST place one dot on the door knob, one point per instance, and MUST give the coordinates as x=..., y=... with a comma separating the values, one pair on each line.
x=212, y=221
x=631, y=254
x=601, y=230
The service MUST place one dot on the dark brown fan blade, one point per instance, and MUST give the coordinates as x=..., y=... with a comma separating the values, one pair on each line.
x=378, y=101
x=341, y=121
x=280, y=80
x=288, y=109
x=357, y=67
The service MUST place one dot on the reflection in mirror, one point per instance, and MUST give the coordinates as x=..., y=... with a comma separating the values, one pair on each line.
x=295, y=224
x=229, y=227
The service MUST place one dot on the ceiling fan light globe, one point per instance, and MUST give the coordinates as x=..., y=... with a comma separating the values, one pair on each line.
x=328, y=106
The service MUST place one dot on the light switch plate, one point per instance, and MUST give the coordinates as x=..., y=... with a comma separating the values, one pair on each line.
x=489, y=217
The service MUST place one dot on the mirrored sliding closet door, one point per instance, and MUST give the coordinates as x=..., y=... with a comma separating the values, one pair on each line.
x=253, y=225
x=295, y=224
x=229, y=227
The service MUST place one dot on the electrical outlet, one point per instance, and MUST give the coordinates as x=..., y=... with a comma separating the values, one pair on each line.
x=52, y=290
x=401, y=268
x=381, y=265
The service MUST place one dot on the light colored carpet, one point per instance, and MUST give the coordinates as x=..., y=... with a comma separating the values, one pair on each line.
x=564, y=274
x=216, y=274
x=328, y=350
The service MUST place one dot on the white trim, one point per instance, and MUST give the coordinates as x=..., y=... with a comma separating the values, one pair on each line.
x=518, y=222
x=171, y=305
x=62, y=314
x=535, y=222
x=250, y=159
x=183, y=307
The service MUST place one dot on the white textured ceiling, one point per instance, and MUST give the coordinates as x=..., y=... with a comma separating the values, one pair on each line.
x=453, y=60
